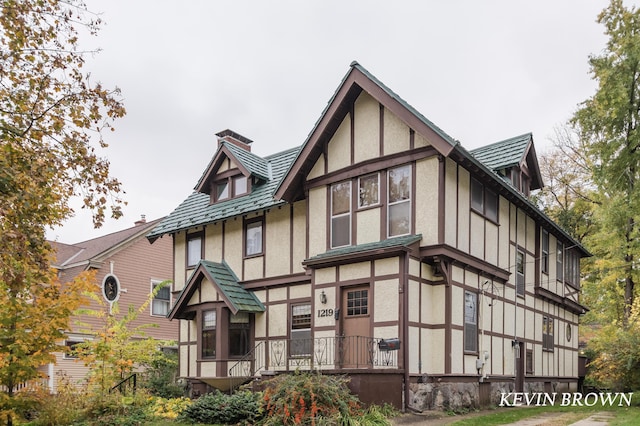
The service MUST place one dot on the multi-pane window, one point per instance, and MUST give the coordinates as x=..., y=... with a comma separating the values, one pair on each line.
x=544, y=260
x=230, y=187
x=239, y=334
x=369, y=190
x=300, y=330
x=162, y=299
x=194, y=249
x=209, y=334
x=341, y=214
x=572, y=267
x=484, y=201
x=253, y=237
x=357, y=302
x=470, y=321
x=547, y=333
x=560, y=261
x=399, y=206
x=520, y=268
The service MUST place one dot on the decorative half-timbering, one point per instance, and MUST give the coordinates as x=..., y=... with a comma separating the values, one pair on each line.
x=380, y=248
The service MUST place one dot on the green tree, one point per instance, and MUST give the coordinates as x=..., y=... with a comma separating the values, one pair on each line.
x=52, y=116
x=608, y=122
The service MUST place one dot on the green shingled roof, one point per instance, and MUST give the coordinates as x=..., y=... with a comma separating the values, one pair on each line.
x=239, y=299
x=503, y=154
x=403, y=241
x=197, y=208
x=257, y=166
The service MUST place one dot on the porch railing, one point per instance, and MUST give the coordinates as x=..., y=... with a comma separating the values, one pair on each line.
x=335, y=352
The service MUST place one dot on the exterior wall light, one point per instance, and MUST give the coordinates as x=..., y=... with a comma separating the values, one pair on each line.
x=323, y=298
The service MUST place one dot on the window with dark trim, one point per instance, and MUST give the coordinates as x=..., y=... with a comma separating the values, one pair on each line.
x=230, y=187
x=341, y=214
x=239, y=327
x=369, y=190
x=529, y=361
x=484, y=201
x=572, y=268
x=300, y=330
x=71, y=349
x=520, y=272
x=209, y=334
x=194, y=249
x=399, y=201
x=544, y=259
x=470, y=322
x=254, y=237
x=547, y=333
x=560, y=261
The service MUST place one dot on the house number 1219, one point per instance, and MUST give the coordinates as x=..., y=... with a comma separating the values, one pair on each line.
x=325, y=313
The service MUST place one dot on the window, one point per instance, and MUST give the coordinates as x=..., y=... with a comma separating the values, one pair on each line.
x=520, y=268
x=71, y=349
x=399, y=213
x=484, y=201
x=572, y=268
x=368, y=190
x=547, y=333
x=300, y=330
x=162, y=300
x=341, y=214
x=194, y=249
x=209, y=334
x=239, y=334
x=544, y=261
x=560, y=261
x=253, y=237
x=357, y=302
x=470, y=322
x=230, y=187
x=529, y=361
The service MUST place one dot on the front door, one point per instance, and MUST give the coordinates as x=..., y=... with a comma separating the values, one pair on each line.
x=355, y=343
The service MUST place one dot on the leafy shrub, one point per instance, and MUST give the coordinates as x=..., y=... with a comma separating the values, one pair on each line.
x=309, y=398
x=169, y=408
x=43, y=408
x=216, y=407
x=159, y=377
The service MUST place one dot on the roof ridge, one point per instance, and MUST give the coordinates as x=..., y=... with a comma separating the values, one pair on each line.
x=530, y=134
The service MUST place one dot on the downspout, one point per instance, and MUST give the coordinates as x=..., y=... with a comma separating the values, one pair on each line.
x=405, y=331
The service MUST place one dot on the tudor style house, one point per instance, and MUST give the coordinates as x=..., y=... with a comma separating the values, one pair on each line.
x=381, y=249
x=128, y=269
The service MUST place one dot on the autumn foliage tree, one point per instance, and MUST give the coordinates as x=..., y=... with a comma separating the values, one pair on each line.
x=52, y=117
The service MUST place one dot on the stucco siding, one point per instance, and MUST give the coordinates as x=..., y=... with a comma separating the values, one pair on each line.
x=396, y=134
x=463, y=211
x=339, y=149
x=366, y=128
x=278, y=320
x=317, y=221
x=278, y=243
x=426, y=220
x=368, y=225
x=450, y=203
x=386, y=303
x=299, y=236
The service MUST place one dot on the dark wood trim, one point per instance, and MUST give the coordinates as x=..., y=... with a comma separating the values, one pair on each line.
x=381, y=127
x=263, y=283
x=567, y=304
x=366, y=255
x=441, y=198
x=482, y=267
x=371, y=166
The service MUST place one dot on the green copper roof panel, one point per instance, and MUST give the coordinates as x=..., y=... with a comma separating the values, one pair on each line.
x=377, y=245
x=503, y=154
x=197, y=209
x=227, y=282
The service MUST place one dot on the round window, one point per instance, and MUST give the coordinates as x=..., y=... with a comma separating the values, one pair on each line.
x=111, y=288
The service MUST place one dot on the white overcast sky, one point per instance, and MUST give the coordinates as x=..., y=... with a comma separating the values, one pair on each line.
x=482, y=70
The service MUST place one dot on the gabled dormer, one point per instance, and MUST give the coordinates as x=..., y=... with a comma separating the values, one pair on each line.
x=515, y=160
x=234, y=171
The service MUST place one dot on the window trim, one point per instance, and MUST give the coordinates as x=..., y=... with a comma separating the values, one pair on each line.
x=70, y=343
x=408, y=200
x=154, y=283
x=544, y=247
x=204, y=328
x=230, y=180
x=560, y=261
x=521, y=276
x=470, y=325
x=248, y=223
x=474, y=186
x=529, y=364
x=547, y=333
x=245, y=327
x=348, y=214
x=378, y=201
x=292, y=330
x=190, y=237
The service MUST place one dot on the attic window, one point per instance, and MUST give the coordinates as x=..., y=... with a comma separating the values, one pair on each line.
x=230, y=187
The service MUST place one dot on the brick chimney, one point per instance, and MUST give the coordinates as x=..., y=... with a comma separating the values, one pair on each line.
x=234, y=138
x=141, y=221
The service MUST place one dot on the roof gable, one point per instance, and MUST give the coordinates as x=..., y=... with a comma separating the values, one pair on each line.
x=235, y=297
x=517, y=151
x=355, y=81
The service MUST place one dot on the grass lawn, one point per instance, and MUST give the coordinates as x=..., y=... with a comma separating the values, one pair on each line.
x=558, y=415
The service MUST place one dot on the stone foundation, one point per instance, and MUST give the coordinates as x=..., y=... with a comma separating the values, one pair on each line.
x=443, y=396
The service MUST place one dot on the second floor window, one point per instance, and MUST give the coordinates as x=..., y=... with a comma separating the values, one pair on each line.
x=162, y=300
x=253, y=237
x=194, y=249
x=560, y=261
x=520, y=269
x=368, y=190
x=484, y=201
x=341, y=214
x=544, y=261
x=399, y=201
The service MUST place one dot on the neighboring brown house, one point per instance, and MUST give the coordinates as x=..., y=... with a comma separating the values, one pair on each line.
x=127, y=269
x=381, y=249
